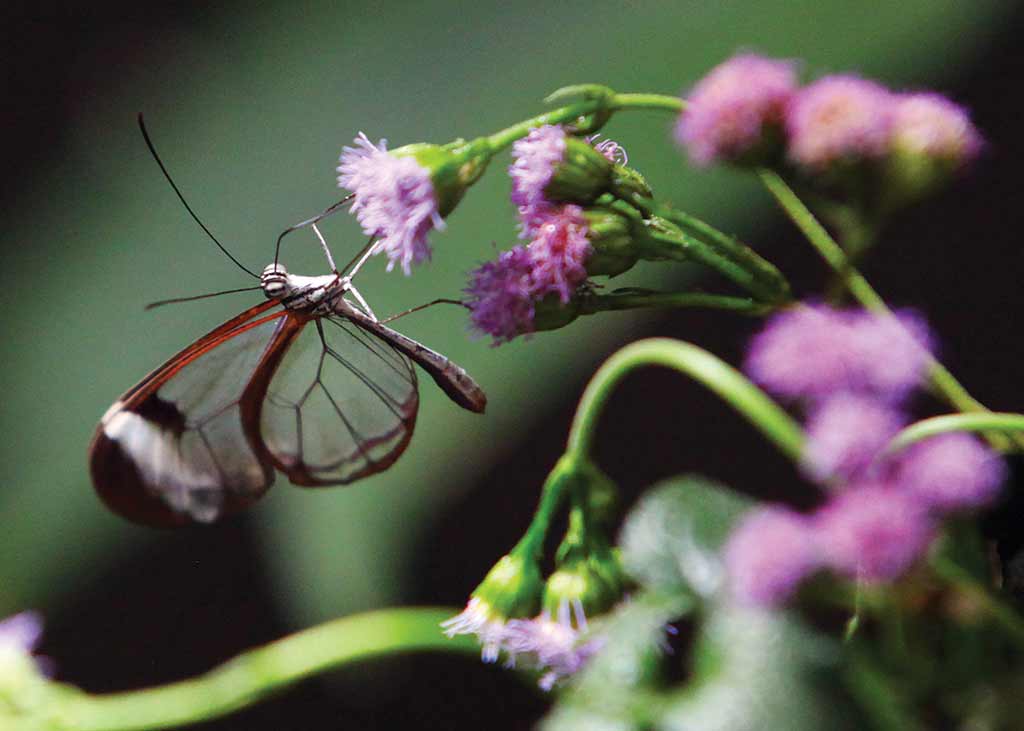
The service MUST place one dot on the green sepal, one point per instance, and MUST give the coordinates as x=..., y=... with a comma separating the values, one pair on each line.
x=512, y=588
x=550, y=313
x=453, y=167
x=582, y=175
x=612, y=235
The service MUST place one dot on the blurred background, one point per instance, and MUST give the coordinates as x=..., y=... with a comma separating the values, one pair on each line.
x=249, y=105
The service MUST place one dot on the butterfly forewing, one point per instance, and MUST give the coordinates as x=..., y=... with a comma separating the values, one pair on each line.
x=341, y=406
x=178, y=447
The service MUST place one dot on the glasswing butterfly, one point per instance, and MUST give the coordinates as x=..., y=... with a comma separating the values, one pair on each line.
x=309, y=383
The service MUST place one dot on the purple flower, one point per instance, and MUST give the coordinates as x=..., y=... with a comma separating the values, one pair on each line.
x=837, y=118
x=21, y=632
x=873, y=532
x=845, y=433
x=951, y=472
x=480, y=619
x=802, y=352
x=891, y=352
x=500, y=296
x=553, y=646
x=768, y=555
x=394, y=200
x=558, y=252
x=730, y=108
x=534, y=160
x=929, y=124
x=813, y=351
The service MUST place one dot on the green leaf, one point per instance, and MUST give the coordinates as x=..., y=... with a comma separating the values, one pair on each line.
x=758, y=670
x=672, y=538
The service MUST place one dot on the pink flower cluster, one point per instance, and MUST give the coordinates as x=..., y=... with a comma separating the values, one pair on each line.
x=853, y=371
x=750, y=103
x=502, y=294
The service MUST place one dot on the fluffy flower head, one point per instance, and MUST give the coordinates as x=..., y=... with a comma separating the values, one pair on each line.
x=873, y=532
x=951, y=472
x=499, y=296
x=845, y=433
x=801, y=352
x=553, y=645
x=813, y=351
x=559, y=249
x=729, y=109
x=929, y=124
x=534, y=160
x=768, y=555
x=839, y=117
x=394, y=200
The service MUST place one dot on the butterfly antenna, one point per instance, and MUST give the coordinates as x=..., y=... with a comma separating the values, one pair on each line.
x=442, y=301
x=333, y=208
x=163, y=169
x=161, y=303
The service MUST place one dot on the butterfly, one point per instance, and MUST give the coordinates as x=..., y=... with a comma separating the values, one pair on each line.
x=308, y=383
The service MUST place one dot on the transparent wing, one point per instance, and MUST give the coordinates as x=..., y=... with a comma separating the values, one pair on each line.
x=341, y=406
x=184, y=444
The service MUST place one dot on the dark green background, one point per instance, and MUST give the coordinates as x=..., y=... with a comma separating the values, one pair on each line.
x=249, y=106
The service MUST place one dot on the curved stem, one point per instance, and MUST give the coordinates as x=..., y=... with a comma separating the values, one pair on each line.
x=700, y=365
x=552, y=495
x=942, y=380
x=975, y=422
x=570, y=113
x=257, y=673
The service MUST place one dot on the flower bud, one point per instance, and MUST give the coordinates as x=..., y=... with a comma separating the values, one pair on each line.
x=583, y=174
x=512, y=588
x=593, y=583
x=611, y=237
x=452, y=167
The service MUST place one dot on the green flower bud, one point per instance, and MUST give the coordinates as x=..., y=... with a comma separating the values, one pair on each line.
x=550, y=313
x=452, y=167
x=594, y=583
x=512, y=588
x=611, y=235
x=581, y=176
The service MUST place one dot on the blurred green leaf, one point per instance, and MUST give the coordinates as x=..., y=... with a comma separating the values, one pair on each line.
x=673, y=536
x=757, y=670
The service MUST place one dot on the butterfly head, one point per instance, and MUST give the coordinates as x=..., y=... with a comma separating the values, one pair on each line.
x=274, y=281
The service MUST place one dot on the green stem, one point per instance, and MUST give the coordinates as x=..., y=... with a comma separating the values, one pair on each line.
x=942, y=380
x=648, y=101
x=556, y=488
x=678, y=236
x=975, y=422
x=700, y=365
x=572, y=112
x=257, y=673
x=1005, y=615
x=734, y=250
x=591, y=304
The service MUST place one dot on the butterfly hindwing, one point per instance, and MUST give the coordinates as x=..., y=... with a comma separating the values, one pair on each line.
x=342, y=405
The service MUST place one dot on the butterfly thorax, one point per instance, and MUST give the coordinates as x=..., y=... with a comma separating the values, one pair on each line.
x=297, y=292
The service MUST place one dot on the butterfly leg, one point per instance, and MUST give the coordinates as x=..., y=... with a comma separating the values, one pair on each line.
x=362, y=302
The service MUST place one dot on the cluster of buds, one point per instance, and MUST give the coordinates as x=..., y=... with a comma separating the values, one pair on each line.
x=561, y=188
x=541, y=624
x=853, y=372
x=751, y=110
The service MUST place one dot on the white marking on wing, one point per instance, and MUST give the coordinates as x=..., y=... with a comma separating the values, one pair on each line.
x=189, y=485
